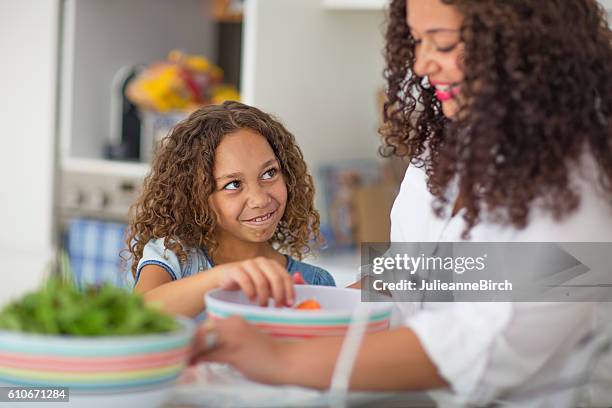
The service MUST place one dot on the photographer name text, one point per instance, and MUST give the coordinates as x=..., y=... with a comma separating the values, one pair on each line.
x=437, y=285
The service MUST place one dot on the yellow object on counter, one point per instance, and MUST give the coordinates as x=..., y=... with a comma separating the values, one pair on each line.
x=181, y=83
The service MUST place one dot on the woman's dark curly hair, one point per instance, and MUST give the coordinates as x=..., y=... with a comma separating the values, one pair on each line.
x=538, y=86
x=174, y=201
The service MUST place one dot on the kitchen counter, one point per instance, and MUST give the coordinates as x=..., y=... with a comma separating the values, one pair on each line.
x=411, y=401
x=362, y=399
x=215, y=385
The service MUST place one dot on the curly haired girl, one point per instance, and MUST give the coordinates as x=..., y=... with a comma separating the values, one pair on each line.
x=229, y=194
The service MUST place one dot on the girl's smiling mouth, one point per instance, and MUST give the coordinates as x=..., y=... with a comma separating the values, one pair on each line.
x=260, y=220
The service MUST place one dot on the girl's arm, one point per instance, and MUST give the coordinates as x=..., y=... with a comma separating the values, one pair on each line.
x=259, y=278
x=180, y=297
x=392, y=360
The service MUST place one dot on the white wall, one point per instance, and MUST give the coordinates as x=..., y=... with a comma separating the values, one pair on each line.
x=317, y=70
x=607, y=4
x=28, y=38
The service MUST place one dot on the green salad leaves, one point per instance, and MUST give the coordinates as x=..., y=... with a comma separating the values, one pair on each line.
x=62, y=308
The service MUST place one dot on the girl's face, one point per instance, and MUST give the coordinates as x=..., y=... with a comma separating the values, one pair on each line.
x=250, y=194
x=435, y=28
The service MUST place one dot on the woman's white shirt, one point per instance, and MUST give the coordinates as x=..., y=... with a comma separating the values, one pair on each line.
x=489, y=350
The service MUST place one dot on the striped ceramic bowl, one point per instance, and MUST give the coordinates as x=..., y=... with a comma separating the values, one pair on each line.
x=95, y=365
x=337, y=307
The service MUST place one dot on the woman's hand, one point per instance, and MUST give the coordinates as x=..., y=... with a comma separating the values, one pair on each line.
x=260, y=279
x=396, y=356
x=234, y=341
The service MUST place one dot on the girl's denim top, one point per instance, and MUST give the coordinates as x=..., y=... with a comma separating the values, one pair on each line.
x=155, y=253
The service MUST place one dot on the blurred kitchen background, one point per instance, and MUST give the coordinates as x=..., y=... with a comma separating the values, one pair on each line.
x=80, y=138
x=79, y=128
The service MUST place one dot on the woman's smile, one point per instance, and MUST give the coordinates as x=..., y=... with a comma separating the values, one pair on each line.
x=435, y=29
x=446, y=91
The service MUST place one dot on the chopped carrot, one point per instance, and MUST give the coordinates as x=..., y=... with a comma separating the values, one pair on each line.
x=309, y=304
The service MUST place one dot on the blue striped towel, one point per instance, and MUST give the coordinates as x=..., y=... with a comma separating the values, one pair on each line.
x=94, y=247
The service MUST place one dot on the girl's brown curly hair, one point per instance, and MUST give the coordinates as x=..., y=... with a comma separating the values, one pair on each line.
x=174, y=202
x=538, y=81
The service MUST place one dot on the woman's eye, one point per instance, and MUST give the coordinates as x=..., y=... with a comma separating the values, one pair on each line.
x=448, y=48
x=269, y=174
x=234, y=185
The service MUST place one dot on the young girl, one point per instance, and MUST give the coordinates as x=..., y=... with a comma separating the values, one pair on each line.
x=228, y=203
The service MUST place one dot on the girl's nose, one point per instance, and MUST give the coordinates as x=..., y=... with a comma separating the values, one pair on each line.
x=258, y=197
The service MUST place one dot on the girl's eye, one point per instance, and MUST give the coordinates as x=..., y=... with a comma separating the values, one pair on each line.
x=234, y=185
x=269, y=174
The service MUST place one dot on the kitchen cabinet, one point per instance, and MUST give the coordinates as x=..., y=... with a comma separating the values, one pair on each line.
x=322, y=58
x=100, y=39
x=313, y=65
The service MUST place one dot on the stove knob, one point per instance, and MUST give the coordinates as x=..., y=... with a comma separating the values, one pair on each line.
x=74, y=198
x=98, y=199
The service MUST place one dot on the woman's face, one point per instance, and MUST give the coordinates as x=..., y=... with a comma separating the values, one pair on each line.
x=250, y=193
x=438, y=50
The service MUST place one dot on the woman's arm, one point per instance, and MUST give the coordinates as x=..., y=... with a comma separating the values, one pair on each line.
x=392, y=360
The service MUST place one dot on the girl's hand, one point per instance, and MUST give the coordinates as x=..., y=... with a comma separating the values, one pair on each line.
x=234, y=341
x=260, y=279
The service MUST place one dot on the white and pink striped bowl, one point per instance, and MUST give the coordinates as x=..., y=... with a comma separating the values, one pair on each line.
x=337, y=307
x=123, y=368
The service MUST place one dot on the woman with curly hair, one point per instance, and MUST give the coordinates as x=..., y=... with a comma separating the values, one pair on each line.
x=228, y=195
x=503, y=108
